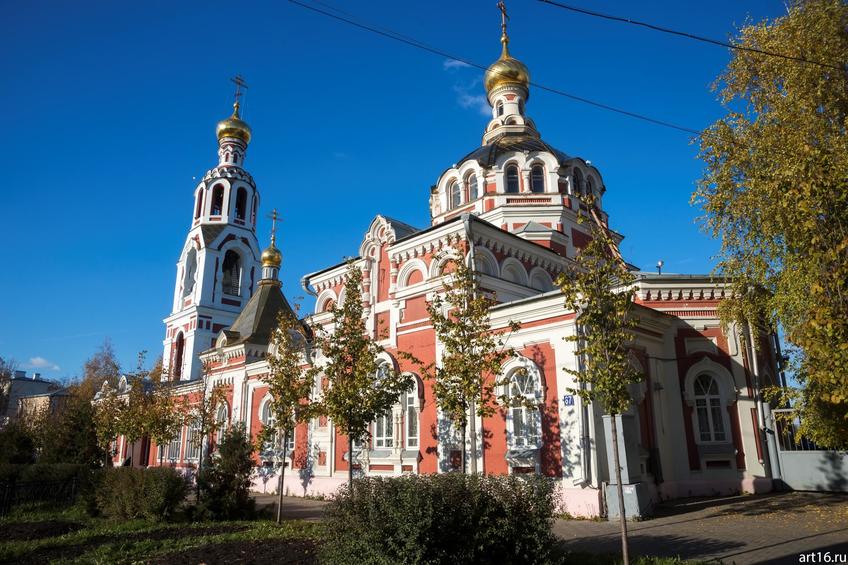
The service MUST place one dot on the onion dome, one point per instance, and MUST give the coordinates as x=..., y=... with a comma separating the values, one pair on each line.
x=272, y=257
x=507, y=71
x=233, y=126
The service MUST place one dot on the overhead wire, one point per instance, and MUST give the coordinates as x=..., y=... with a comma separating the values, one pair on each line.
x=688, y=35
x=391, y=34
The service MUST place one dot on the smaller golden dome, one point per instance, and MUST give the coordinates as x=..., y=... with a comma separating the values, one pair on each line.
x=233, y=126
x=272, y=257
x=506, y=71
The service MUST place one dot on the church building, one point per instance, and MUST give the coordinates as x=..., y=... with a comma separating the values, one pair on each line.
x=510, y=207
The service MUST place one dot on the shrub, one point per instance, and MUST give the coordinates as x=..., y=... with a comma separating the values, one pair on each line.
x=17, y=444
x=224, y=480
x=126, y=493
x=448, y=518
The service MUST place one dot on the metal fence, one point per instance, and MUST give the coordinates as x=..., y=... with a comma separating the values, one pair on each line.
x=788, y=437
x=14, y=493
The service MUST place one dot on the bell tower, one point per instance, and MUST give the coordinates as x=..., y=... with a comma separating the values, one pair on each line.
x=218, y=268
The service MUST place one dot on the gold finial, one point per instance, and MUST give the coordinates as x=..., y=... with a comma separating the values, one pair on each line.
x=272, y=257
x=504, y=36
x=234, y=126
x=273, y=217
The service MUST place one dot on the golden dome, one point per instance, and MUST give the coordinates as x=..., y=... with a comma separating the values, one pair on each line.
x=272, y=257
x=233, y=126
x=507, y=71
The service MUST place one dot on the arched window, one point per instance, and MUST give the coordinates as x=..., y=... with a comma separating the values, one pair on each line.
x=471, y=181
x=198, y=207
x=190, y=272
x=383, y=434
x=217, y=200
x=537, y=178
x=708, y=409
x=512, y=179
x=521, y=106
x=253, y=215
x=577, y=181
x=499, y=107
x=524, y=418
x=410, y=416
x=455, y=194
x=241, y=203
x=222, y=418
x=194, y=442
x=231, y=273
x=179, y=348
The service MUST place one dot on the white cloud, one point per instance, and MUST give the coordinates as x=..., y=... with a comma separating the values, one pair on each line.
x=449, y=64
x=42, y=363
x=475, y=101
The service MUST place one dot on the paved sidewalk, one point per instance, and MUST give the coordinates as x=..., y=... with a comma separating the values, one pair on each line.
x=774, y=528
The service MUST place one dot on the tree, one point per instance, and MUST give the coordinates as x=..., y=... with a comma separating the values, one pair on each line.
x=7, y=369
x=473, y=353
x=356, y=393
x=108, y=406
x=290, y=384
x=599, y=290
x=101, y=367
x=773, y=192
x=225, y=479
x=164, y=415
x=69, y=435
x=200, y=411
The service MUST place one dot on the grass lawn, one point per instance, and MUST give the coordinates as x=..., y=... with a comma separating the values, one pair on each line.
x=71, y=536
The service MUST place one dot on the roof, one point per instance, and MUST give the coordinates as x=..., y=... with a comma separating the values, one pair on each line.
x=534, y=227
x=402, y=229
x=210, y=232
x=258, y=319
x=488, y=154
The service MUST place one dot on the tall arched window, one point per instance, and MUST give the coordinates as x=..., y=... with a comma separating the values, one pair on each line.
x=455, y=194
x=577, y=180
x=179, y=349
x=524, y=419
x=537, y=178
x=253, y=214
x=471, y=181
x=383, y=433
x=190, y=272
x=198, y=207
x=590, y=186
x=410, y=416
x=231, y=278
x=222, y=419
x=512, y=179
x=241, y=204
x=708, y=409
x=500, y=107
x=217, y=208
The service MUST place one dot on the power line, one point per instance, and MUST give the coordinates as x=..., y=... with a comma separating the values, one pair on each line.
x=687, y=35
x=390, y=34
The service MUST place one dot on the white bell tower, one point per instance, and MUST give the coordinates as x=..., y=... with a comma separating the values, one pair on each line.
x=219, y=267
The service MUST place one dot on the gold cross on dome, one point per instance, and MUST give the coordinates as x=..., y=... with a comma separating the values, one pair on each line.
x=274, y=217
x=238, y=80
x=504, y=16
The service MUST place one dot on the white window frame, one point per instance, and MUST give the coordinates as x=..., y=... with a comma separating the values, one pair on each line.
x=532, y=417
x=223, y=423
x=708, y=403
x=174, y=446
x=411, y=411
x=727, y=394
x=192, y=449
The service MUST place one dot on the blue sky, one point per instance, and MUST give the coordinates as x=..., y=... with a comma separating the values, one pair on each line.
x=109, y=110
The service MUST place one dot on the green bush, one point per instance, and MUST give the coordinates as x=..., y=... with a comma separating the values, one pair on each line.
x=17, y=444
x=43, y=472
x=447, y=518
x=127, y=493
x=224, y=479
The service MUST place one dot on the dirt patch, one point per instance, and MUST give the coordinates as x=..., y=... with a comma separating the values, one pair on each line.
x=266, y=551
x=26, y=531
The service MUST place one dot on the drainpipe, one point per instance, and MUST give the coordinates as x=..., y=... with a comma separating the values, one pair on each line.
x=472, y=424
x=767, y=435
x=585, y=463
